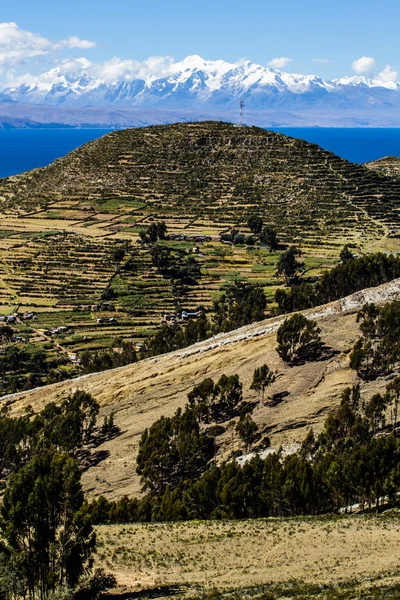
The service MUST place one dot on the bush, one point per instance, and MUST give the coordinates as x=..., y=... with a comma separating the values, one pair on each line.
x=94, y=587
x=288, y=265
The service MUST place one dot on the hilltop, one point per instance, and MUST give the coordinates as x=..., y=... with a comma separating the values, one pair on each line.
x=141, y=393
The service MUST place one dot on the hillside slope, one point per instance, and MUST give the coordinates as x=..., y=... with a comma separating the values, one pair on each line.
x=141, y=393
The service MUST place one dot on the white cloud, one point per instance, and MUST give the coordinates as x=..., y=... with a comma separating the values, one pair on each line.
x=279, y=63
x=18, y=45
x=110, y=71
x=321, y=60
x=365, y=64
x=74, y=42
x=387, y=75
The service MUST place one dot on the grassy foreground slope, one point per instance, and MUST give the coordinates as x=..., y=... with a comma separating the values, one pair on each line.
x=141, y=393
x=303, y=558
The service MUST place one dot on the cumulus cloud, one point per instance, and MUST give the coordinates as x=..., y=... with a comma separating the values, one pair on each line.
x=365, y=64
x=387, y=75
x=279, y=63
x=18, y=45
x=116, y=69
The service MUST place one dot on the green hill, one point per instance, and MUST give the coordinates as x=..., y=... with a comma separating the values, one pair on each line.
x=217, y=172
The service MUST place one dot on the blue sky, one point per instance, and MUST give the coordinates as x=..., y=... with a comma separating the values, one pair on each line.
x=305, y=32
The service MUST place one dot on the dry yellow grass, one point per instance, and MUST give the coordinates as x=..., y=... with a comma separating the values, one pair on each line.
x=141, y=393
x=246, y=553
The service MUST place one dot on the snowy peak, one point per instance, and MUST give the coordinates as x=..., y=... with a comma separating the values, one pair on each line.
x=358, y=81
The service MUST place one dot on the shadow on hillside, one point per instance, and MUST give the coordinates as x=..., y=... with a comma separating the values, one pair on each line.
x=90, y=457
x=276, y=399
x=314, y=353
x=101, y=437
x=158, y=592
x=326, y=353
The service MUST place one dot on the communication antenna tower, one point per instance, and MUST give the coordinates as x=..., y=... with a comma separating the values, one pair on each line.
x=241, y=104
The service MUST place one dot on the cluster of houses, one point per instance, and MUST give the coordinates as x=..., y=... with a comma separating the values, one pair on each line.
x=106, y=320
x=27, y=316
x=8, y=319
x=74, y=358
x=181, y=237
x=173, y=318
x=56, y=330
x=103, y=307
x=139, y=346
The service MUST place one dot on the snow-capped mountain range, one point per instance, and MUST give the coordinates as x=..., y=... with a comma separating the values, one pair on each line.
x=195, y=84
x=191, y=83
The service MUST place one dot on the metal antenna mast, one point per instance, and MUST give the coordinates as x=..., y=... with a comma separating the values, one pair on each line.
x=241, y=104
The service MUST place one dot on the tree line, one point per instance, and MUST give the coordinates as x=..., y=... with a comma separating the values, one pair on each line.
x=240, y=304
x=120, y=355
x=350, y=276
x=354, y=460
x=26, y=368
x=377, y=351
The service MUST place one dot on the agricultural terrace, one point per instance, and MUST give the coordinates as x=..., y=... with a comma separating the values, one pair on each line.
x=61, y=226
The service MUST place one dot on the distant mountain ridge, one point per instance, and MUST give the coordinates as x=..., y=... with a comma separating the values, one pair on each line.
x=214, y=87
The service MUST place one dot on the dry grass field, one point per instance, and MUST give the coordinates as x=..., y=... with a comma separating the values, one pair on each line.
x=282, y=554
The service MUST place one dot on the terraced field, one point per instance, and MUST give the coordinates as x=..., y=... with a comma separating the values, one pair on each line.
x=61, y=224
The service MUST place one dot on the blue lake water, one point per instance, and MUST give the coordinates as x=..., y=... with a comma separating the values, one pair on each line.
x=357, y=145
x=24, y=149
